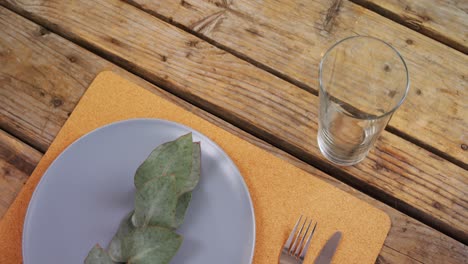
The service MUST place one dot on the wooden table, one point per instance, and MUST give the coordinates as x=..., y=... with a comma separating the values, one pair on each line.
x=250, y=67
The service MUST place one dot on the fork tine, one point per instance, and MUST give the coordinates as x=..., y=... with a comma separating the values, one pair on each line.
x=299, y=246
x=291, y=236
x=294, y=246
x=307, y=244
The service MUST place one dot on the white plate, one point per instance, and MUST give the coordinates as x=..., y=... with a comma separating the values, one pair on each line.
x=89, y=188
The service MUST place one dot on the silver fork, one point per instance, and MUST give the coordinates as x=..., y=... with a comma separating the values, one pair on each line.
x=294, y=252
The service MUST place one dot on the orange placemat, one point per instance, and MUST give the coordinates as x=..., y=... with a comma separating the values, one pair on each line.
x=279, y=190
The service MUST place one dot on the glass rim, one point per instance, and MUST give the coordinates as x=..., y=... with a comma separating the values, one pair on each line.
x=402, y=99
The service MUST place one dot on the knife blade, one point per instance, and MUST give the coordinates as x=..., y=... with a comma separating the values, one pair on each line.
x=327, y=252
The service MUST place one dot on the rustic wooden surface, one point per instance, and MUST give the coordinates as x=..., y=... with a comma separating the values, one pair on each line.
x=409, y=241
x=287, y=38
x=17, y=161
x=402, y=174
x=443, y=20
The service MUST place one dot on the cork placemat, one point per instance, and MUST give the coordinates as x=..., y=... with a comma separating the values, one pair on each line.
x=280, y=191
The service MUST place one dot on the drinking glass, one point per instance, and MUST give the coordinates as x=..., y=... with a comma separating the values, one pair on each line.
x=363, y=80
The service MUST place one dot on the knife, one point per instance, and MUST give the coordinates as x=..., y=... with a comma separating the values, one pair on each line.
x=327, y=252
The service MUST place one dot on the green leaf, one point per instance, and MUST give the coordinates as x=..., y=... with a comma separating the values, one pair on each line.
x=147, y=245
x=97, y=255
x=171, y=158
x=125, y=228
x=182, y=205
x=154, y=245
x=155, y=203
x=164, y=183
x=190, y=183
x=186, y=182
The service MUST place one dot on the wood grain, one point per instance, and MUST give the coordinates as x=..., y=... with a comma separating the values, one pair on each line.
x=398, y=172
x=17, y=161
x=409, y=241
x=287, y=38
x=444, y=20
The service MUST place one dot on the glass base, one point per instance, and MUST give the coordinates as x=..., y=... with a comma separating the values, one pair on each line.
x=336, y=157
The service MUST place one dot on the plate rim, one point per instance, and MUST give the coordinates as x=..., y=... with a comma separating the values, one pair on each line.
x=27, y=217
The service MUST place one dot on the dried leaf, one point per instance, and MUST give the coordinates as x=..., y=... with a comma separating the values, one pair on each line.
x=97, y=255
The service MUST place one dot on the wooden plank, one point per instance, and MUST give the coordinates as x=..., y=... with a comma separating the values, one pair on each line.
x=17, y=161
x=443, y=20
x=286, y=37
x=405, y=243
x=398, y=172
